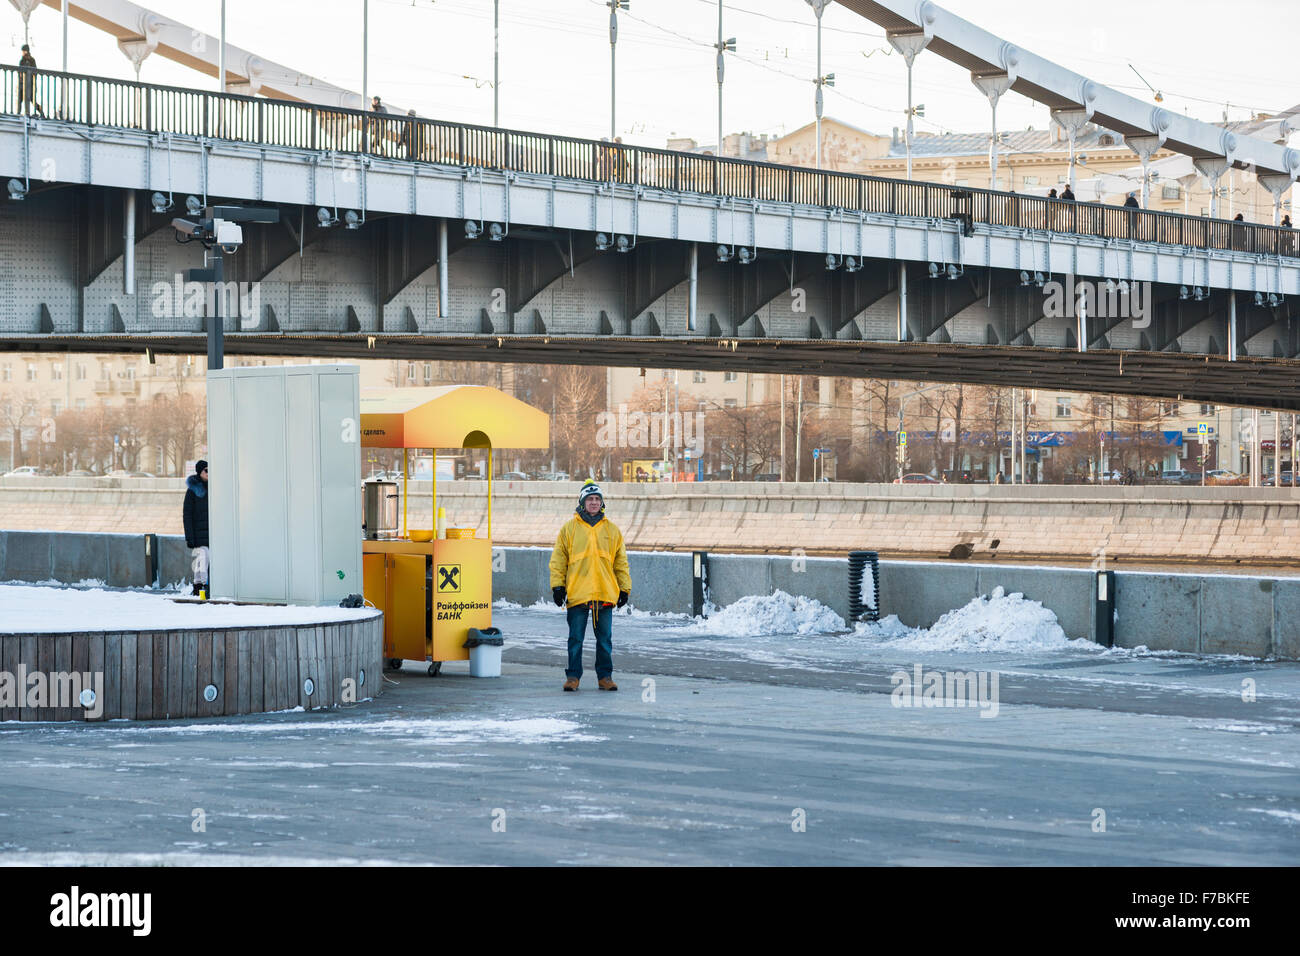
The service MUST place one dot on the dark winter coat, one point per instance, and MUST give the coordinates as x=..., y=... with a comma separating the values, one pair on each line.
x=196, y=512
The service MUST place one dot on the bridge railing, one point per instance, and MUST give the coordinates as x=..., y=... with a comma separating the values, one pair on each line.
x=98, y=101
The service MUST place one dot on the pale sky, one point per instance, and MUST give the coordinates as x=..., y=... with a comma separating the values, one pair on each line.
x=555, y=59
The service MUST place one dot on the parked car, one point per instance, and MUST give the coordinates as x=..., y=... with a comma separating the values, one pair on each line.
x=554, y=476
x=26, y=471
x=79, y=473
x=916, y=478
x=514, y=476
x=1173, y=476
x=1285, y=483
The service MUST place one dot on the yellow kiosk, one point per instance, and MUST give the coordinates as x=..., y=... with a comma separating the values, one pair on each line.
x=432, y=591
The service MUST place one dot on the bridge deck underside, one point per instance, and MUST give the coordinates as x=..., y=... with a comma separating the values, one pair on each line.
x=1261, y=383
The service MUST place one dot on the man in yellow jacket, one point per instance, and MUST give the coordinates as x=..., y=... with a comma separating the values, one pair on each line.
x=589, y=575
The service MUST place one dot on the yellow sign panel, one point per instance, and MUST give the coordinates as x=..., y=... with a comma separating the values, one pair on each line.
x=462, y=595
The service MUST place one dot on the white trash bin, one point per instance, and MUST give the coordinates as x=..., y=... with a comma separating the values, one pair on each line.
x=485, y=647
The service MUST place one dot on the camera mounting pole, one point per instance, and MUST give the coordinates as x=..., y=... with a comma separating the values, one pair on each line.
x=219, y=231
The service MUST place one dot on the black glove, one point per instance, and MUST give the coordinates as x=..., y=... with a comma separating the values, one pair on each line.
x=558, y=594
x=622, y=598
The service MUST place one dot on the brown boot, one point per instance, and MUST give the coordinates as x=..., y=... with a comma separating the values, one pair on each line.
x=571, y=684
x=607, y=683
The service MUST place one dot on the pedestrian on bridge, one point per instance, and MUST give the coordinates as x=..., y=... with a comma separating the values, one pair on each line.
x=589, y=577
x=376, y=125
x=27, y=84
x=195, y=514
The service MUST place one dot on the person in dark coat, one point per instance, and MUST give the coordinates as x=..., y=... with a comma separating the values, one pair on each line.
x=196, y=523
x=1067, y=193
x=27, y=85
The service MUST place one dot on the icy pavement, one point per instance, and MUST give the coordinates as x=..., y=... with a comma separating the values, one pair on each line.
x=715, y=745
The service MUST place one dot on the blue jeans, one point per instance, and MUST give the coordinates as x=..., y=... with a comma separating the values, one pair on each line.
x=603, y=626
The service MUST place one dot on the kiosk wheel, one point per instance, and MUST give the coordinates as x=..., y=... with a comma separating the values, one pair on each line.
x=435, y=668
x=394, y=663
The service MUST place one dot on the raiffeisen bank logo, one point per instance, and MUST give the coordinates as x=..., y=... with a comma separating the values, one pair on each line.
x=78, y=909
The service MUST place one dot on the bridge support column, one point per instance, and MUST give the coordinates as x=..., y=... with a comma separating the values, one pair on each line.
x=1276, y=185
x=442, y=269
x=1212, y=168
x=128, y=247
x=1232, y=326
x=1145, y=147
x=1072, y=121
x=693, y=298
x=993, y=85
x=902, y=302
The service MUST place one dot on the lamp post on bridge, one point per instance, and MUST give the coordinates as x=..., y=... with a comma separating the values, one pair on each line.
x=818, y=7
x=909, y=45
x=614, y=7
x=722, y=46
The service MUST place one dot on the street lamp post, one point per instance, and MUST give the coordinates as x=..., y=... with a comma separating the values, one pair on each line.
x=614, y=7
x=496, y=63
x=722, y=46
x=819, y=6
x=909, y=45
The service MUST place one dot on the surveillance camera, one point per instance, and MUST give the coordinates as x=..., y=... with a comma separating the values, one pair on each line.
x=185, y=227
x=228, y=233
x=230, y=248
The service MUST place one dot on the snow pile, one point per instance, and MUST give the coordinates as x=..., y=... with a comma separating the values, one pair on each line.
x=29, y=610
x=996, y=622
x=775, y=613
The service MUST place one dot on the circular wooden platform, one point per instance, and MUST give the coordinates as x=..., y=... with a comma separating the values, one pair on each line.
x=159, y=675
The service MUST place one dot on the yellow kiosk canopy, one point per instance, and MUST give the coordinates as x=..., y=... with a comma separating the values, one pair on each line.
x=450, y=416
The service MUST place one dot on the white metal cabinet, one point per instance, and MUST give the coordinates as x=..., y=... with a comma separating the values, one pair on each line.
x=284, y=467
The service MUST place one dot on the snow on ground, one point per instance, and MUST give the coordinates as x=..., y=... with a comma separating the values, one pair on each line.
x=424, y=731
x=996, y=622
x=26, y=609
x=775, y=613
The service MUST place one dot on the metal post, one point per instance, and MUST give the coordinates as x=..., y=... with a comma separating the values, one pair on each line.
x=783, y=428
x=993, y=150
x=65, y=38
x=909, y=119
x=720, y=71
x=365, y=60
x=221, y=54
x=1232, y=326
x=216, y=332
x=1254, y=449
x=443, y=312
x=128, y=245
x=613, y=47
x=818, y=101
x=902, y=302
x=496, y=63
x=1013, y=436
x=1277, y=449
x=798, y=431
x=692, y=301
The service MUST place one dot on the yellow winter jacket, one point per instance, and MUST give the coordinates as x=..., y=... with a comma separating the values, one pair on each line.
x=590, y=562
